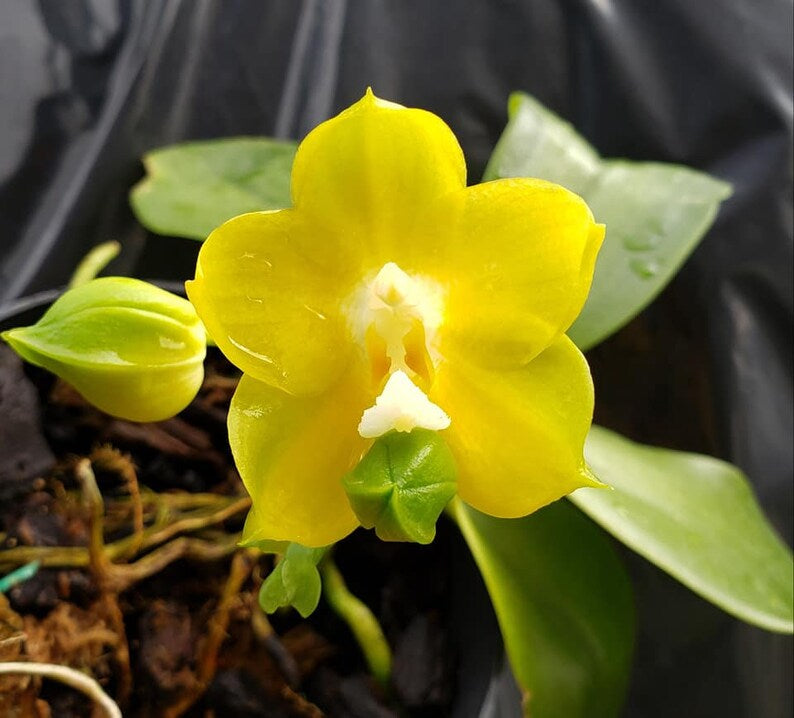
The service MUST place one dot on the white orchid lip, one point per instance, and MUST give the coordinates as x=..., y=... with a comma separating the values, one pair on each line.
x=397, y=308
x=401, y=406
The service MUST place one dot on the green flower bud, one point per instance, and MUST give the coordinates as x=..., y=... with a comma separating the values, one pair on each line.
x=295, y=581
x=130, y=348
x=402, y=485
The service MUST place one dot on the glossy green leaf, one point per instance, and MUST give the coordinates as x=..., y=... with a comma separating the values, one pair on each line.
x=295, y=581
x=695, y=517
x=564, y=604
x=402, y=484
x=192, y=188
x=130, y=348
x=655, y=213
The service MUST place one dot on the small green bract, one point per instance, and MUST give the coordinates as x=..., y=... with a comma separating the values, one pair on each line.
x=295, y=581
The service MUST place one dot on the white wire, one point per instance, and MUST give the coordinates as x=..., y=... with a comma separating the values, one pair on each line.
x=70, y=677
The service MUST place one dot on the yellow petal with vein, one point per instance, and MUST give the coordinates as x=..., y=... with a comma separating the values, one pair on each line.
x=516, y=257
x=371, y=170
x=268, y=288
x=518, y=435
x=292, y=453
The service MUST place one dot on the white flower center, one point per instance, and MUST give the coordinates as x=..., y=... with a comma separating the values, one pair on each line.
x=396, y=316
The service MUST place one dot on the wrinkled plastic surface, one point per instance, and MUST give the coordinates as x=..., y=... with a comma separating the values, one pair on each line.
x=87, y=86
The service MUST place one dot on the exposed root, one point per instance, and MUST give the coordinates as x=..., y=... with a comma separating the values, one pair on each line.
x=92, y=497
x=121, y=654
x=176, y=514
x=96, y=640
x=300, y=705
x=183, y=547
x=110, y=459
x=283, y=659
x=241, y=568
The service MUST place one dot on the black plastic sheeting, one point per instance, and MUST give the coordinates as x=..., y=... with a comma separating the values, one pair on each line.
x=87, y=86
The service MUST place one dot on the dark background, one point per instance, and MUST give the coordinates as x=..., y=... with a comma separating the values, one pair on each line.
x=87, y=86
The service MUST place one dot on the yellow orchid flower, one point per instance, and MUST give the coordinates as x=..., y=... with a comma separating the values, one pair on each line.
x=390, y=297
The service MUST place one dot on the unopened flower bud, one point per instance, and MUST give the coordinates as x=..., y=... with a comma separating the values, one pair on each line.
x=130, y=348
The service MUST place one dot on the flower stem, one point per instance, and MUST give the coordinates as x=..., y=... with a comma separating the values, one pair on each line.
x=360, y=619
x=94, y=262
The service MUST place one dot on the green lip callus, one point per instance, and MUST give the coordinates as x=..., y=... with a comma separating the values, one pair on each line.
x=402, y=484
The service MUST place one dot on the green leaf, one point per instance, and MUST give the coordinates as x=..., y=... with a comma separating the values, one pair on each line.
x=564, y=604
x=130, y=348
x=402, y=485
x=295, y=581
x=655, y=213
x=192, y=188
x=695, y=517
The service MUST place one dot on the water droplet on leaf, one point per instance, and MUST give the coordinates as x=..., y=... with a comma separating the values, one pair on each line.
x=643, y=242
x=645, y=268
